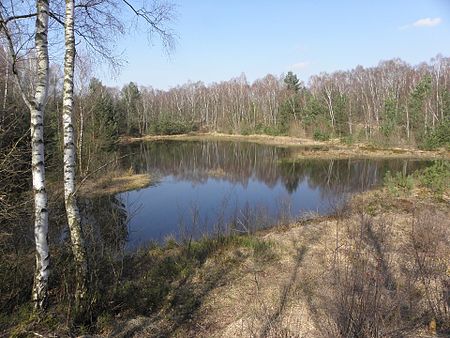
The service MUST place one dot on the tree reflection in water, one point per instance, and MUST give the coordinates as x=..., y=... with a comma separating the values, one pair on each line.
x=211, y=185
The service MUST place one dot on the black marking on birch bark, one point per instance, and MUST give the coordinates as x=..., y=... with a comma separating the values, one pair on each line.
x=39, y=190
x=38, y=164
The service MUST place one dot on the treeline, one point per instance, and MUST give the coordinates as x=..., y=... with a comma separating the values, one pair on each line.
x=391, y=103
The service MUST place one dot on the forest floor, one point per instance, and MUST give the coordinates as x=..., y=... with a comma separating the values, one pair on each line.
x=378, y=263
x=307, y=148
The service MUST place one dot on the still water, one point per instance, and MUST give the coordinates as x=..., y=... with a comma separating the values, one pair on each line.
x=205, y=187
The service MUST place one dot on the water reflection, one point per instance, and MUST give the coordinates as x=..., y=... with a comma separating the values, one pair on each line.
x=104, y=220
x=205, y=185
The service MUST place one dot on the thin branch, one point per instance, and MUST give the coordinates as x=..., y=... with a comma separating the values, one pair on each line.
x=154, y=20
x=13, y=55
x=17, y=17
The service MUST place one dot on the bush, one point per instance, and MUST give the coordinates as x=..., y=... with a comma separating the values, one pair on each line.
x=398, y=183
x=268, y=130
x=348, y=139
x=436, y=177
x=440, y=137
x=170, y=127
x=321, y=135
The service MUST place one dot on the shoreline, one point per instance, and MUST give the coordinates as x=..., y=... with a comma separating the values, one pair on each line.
x=303, y=147
x=254, y=269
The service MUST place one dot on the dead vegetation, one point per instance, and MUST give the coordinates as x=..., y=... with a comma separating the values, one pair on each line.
x=114, y=183
x=379, y=268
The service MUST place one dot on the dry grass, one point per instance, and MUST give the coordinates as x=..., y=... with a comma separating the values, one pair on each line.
x=338, y=151
x=261, y=139
x=381, y=264
x=114, y=183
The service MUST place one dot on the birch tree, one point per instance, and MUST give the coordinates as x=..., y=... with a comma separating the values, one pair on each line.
x=89, y=22
x=72, y=211
x=36, y=105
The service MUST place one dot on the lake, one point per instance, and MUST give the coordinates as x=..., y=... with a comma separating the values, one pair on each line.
x=209, y=187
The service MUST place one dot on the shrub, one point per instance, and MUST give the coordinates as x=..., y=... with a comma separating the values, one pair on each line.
x=436, y=177
x=321, y=135
x=398, y=183
x=348, y=139
x=268, y=130
x=440, y=137
x=166, y=126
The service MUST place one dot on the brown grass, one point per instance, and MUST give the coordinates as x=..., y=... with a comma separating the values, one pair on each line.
x=115, y=183
x=296, y=294
x=261, y=139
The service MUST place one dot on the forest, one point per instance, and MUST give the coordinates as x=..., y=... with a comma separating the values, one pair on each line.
x=393, y=103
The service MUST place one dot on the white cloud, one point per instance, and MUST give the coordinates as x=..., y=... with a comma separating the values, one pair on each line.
x=427, y=22
x=299, y=66
x=424, y=22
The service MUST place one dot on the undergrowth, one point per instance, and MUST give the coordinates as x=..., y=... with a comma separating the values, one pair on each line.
x=435, y=178
x=154, y=280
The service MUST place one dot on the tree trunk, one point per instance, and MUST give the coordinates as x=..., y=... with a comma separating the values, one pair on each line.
x=5, y=91
x=407, y=122
x=40, y=286
x=72, y=211
x=80, y=142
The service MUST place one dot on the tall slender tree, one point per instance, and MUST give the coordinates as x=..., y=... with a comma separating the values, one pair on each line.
x=36, y=105
x=72, y=211
x=155, y=17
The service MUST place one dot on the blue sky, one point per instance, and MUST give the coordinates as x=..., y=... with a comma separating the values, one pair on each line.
x=218, y=40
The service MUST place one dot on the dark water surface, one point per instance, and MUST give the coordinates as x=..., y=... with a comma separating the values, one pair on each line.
x=204, y=186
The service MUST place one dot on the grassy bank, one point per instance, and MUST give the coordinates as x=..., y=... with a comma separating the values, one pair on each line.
x=257, y=138
x=116, y=182
x=379, y=264
x=308, y=148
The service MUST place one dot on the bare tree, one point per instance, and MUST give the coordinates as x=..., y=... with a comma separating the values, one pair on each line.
x=36, y=106
x=93, y=14
x=72, y=211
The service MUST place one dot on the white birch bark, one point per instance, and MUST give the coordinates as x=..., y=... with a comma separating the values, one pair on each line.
x=72, y=211
x=40, y=287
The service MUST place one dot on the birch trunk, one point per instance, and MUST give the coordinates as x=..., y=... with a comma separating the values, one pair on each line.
x=40, y=286
x=72, y=211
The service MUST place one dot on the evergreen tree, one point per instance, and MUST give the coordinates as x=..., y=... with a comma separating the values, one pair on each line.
x=417, y=104
x=389, y=116
x=292, y=82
